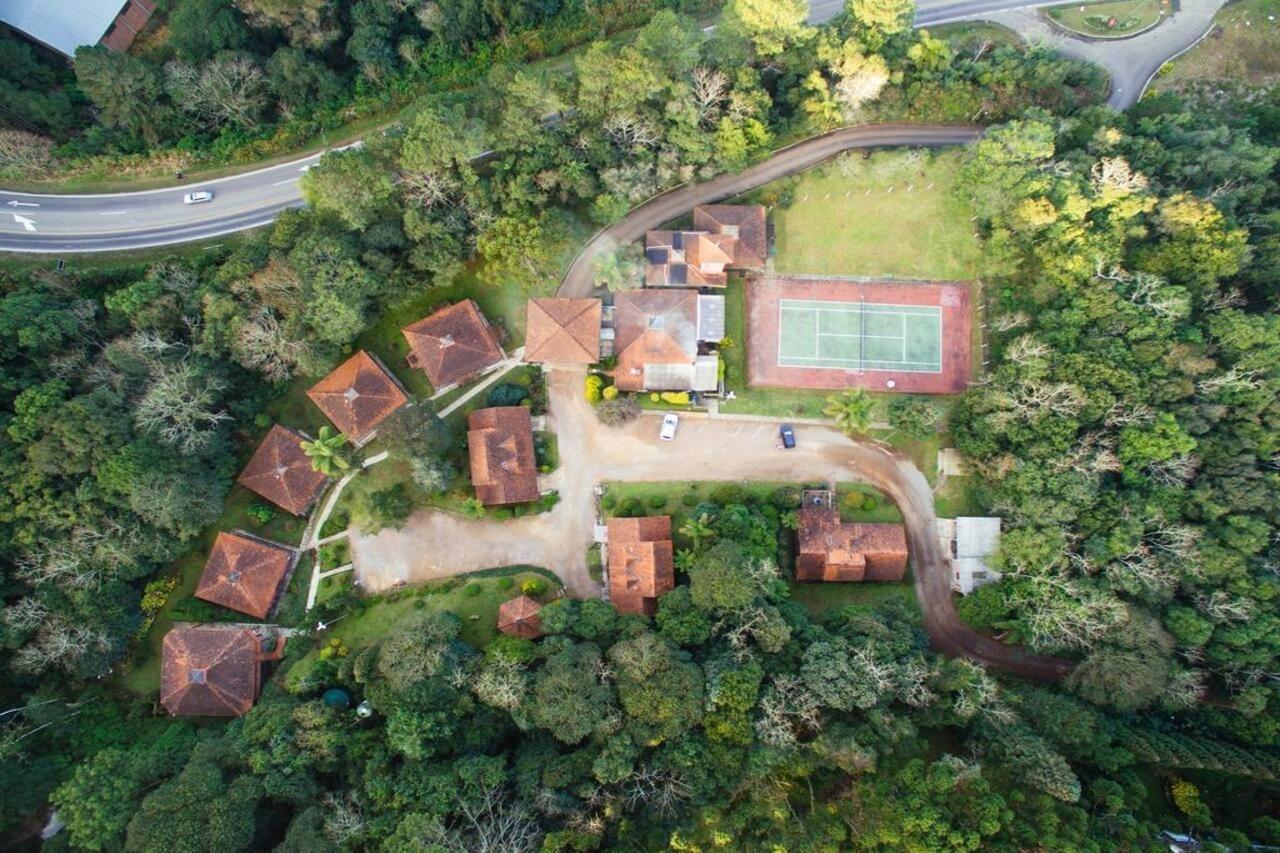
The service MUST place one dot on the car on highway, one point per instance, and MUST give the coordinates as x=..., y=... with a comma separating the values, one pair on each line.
x=669, y=423
x=788, y=436
x=197, y=197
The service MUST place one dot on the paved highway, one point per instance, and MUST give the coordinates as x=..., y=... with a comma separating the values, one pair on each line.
x=65, y=224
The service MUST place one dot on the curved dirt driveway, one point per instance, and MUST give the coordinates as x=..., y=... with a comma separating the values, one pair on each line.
x=437, y=544
x=578, y=281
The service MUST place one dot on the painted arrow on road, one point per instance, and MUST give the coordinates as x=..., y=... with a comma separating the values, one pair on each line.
x=16, y=203
x=28, y=224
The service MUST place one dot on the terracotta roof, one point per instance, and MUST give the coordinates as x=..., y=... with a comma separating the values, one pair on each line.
x=565, y=331
x=686, y=258
x=503, y=467
x=834, y=551
x=281, y=472
x=641, y=562
x=519, y=618
x=653, y=327
x=453, y=344
x=358, y=395
x=245, y=573
x=746, y=223
x=209, y=671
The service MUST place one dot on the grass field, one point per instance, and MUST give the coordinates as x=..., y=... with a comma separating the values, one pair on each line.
x=819, y=598
x=890, y=214
x=1245, y=50
x=478, y=610
x=1091, y=19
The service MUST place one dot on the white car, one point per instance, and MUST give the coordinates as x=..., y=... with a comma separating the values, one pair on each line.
x=197, y=197
x=669, y=423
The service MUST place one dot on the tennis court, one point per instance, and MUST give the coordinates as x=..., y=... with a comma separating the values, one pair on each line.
x=825, y=332
x=859, y=336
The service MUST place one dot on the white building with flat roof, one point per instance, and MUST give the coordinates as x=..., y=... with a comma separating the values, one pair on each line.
x=973, y=541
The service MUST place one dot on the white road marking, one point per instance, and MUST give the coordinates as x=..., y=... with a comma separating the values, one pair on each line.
x=24, y=222
x=16, y=203
x=285, y=181
x=113, y=213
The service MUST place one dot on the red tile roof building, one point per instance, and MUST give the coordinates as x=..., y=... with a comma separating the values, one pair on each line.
x=211, y=671
x=641, y=562
x=358, y=395
x=746, y=224
x=453, y=345
x=563, y=331
x=519, y=618
x=834, y=551
x=503, y=467
x=245, y=574
x=656, y=341
x=281, y=472
x=686, y=259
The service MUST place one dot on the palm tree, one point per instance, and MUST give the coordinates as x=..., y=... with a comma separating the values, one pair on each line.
x=326, y=452
x=698, y=529
x=852, y=410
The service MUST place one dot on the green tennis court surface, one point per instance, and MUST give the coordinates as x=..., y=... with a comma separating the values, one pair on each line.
x=860, y=336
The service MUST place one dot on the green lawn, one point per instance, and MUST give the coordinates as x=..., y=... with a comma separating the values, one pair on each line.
x=1096, y=19
x=877, y=510
x=478, y=612
x=818, y=598
x=1245, y=51
x=890, y=214
x=956, y=498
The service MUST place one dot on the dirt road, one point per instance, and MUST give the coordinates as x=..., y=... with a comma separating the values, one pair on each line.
x=578, y=281
x=437, y=544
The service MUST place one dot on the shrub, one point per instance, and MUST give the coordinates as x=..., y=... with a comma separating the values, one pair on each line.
x=654, y=397
x=506, y=583
x=260, y=513
x=610, y=392
x=629, y=507
x=729, y=493
x=675, y=398
x=507, y=394
x=785, y=497
x=262, y=420
x=472, y=589
x=855, y=500
x=608, y=502
x=592, y=388
x=869, y=502
x=618, y=412
x=533, y=587
x=657, y=501
x=688, y=499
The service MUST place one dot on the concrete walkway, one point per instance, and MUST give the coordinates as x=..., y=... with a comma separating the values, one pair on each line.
x=436, y=544
x=1131, y=62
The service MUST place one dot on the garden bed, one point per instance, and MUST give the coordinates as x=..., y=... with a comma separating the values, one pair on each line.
x=1123, y=19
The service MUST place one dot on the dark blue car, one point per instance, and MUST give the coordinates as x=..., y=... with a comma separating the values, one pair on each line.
x=788, y=436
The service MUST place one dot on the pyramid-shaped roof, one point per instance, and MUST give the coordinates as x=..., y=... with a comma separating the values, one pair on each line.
x=358, y=395
x=281, y=472
x=519, y=618
x=503, y=466
x=245, y=573
x=453, y=344
x=209, y=671
x=563, y=331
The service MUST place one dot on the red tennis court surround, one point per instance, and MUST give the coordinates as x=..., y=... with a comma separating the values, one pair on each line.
x=821, y=332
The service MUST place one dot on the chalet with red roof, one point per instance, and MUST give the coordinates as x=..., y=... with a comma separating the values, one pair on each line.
x=453, y=345
x=519, y=618
x=213, y=671
x=657, y=340
x=563, y=331
x=745, y=224
x=831, y=550
x=245, y=573
x=504, y=469
x=724, y=237
x=641, y=562
x=281, y=472
x=358, y=395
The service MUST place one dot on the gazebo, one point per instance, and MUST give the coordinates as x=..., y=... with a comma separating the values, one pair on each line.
x=519, y=618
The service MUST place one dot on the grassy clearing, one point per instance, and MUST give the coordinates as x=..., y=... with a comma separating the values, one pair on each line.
x=891, y=213
x=1244, y=49
x=1119, y=19
x=967, y=36
x=473, y=598
x=958, y=496
x=818, y=598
